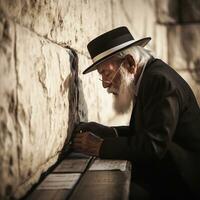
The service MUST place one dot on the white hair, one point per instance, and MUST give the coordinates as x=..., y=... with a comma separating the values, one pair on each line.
x=140, y=55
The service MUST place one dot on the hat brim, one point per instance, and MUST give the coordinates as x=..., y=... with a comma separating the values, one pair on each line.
x=142, y=42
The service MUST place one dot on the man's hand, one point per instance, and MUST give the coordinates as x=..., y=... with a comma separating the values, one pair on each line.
x=87, y=143
x=97, y=129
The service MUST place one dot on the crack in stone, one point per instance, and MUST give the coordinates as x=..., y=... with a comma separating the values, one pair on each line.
x=34, y=174
x=19, y=141
x=42, y=73
x=73, y=95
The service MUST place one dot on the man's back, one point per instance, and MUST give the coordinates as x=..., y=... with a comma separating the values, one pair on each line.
x=170, y=111
x=188, y=125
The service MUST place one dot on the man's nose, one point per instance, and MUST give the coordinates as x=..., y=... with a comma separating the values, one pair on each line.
x=105, y=84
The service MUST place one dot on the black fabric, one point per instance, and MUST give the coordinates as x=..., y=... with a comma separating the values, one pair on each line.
x=105, y=42
x=163, y=138
x=109, y=40
x=97, y=129
x=137, y=192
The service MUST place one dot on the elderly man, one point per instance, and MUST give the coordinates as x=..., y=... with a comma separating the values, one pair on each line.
x=163, y=137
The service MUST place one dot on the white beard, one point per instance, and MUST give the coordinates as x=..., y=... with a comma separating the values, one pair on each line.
x=125, y=97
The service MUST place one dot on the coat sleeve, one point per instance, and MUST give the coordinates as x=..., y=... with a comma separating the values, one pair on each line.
x=160, y=111
x=123, y=131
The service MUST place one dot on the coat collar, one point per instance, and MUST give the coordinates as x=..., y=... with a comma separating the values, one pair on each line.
x=141, y=75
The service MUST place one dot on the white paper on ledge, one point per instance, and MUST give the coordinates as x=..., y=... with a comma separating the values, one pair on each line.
x=103, y=164
x=59, y=181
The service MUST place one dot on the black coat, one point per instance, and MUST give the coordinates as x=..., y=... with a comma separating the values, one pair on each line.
x=163, y=138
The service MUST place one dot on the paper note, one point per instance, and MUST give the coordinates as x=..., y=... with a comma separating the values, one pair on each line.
x=72, y=165
x=59, y=181
x=101, y=164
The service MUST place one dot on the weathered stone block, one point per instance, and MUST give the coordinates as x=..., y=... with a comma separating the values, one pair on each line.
x=184, y=46
x=190, y=11
x=43, y=71
x=184, y=52
x=72, y=22
x=9, y=171
x=34, y=106
x=161, y=47
x=168, y=11
x=138, y=16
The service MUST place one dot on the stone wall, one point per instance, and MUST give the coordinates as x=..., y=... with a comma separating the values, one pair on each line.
x=181, y=19
x=42, y=56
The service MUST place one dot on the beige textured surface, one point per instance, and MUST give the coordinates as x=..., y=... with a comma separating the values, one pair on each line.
x=161, y=41
x=43, y=74
x=138, y=15
x=168, y=11
x=9, y=169
x=71, y=22
x=184, y=45
x=34, y=106
x=184, y=54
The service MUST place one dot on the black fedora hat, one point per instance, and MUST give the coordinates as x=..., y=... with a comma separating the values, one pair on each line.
x=110, y=43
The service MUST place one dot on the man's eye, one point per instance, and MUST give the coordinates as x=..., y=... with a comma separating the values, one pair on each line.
x=106, y=73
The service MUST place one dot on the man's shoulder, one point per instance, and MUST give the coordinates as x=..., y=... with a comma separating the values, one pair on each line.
x=160, y=77
x=158, y=68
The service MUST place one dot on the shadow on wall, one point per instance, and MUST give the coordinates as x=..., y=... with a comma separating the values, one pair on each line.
x=75, y=95
x=194, y=70
x=190, y=47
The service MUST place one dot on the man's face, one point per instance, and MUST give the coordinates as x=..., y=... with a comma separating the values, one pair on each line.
x=110, y=76
x=118, y=81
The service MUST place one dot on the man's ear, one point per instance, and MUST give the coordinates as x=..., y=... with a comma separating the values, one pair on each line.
x=130, y=63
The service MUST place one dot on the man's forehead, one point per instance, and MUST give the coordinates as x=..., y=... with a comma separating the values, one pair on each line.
x=107, y=64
